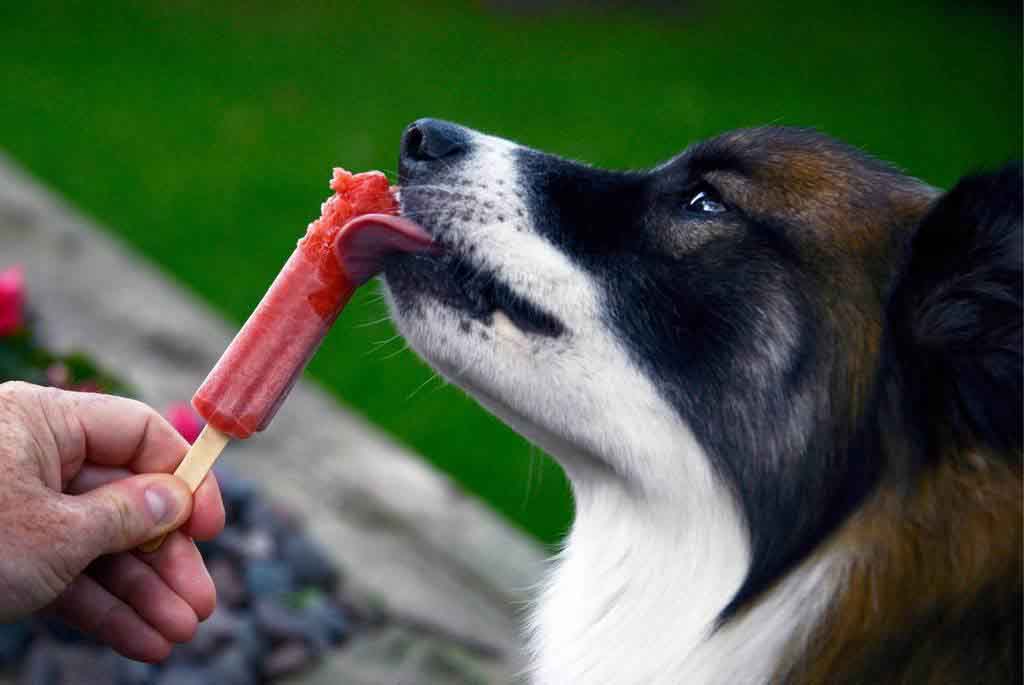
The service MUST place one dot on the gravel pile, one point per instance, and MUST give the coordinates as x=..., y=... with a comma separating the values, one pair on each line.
x=279, y=610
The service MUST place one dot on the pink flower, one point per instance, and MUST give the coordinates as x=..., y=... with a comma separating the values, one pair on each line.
x=184, y=418
x=12, y=300
x=58, y=375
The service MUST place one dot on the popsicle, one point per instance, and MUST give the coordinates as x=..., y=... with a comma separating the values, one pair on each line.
x=341, y=250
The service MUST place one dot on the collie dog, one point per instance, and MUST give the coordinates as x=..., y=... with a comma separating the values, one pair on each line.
x=784, y=380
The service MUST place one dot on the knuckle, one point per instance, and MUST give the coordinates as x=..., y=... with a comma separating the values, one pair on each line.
x=124, y=521
x=13, y=388
x=13, y=395
x=134, y=581
x=144, y=408
x=129, y=404
x=107, y=525
x=97, y=623
x=44, y=396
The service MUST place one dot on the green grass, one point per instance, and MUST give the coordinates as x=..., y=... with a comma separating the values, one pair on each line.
x=203, y=135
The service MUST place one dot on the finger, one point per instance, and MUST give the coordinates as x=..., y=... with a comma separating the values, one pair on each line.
x=208, y=515
x=116, y=431
x=207, y=520
x=136, y=584
x=93, y=610
x=123, y=514
x=180, y=565
x=91, y=477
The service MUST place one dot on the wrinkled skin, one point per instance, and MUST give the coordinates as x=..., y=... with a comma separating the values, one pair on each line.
x=83, y=482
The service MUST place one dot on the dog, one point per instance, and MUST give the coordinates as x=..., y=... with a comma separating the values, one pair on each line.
x=783, y=378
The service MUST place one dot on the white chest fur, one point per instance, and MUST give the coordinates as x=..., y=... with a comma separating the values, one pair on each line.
x=634, y=597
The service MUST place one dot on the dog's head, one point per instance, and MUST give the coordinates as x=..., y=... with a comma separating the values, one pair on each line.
x=731, y=303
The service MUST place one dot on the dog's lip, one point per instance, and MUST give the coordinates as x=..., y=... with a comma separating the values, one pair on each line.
x=365, y=241
x=495, y=296
x=481, y=292
x=469, y=288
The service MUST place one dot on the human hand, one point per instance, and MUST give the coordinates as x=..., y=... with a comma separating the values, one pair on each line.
x=84, y=479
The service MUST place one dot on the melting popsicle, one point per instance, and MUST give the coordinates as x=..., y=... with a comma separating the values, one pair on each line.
x=341, y=250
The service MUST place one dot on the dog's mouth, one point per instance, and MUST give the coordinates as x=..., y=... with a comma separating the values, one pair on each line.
x=448, y=275
x=364, y=243
x=487, y=295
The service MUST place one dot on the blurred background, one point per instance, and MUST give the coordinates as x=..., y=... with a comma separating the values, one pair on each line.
x=203, y=134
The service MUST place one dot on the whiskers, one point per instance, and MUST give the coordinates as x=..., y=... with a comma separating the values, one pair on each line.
x=534, y=467
x=431, y=187
x=374, y=300
x=375, y=322
x=381, y=345
x=433, y=377
x=400, y=350
x=426, y=214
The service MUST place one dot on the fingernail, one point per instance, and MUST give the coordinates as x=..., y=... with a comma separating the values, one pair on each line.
x=159, y=501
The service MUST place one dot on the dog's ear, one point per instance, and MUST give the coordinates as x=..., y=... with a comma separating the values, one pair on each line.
x=955, y=315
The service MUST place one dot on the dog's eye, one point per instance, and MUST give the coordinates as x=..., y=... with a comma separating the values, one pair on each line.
x=706, y=201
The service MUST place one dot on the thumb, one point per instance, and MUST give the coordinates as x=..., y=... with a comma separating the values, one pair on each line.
x=122, y=515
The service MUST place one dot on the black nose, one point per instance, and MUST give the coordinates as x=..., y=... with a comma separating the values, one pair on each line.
x=427, y=140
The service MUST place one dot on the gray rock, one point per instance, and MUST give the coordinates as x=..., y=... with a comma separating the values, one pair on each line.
x=128, y=671
x=181, y=674
x=265, y=578
x=81, y=664
x=240, y=545
x=250, y=639
x=262, y=515
x=230, y=543
x=259, y=544
x=220, y=628
x=41, y=666
x=328, y=620
x=287, y=658
x=13, y=639
x=236, y=491
x=279, y=623
x=309, y=562
x=61, y=631
x=231, y=590
x=232, y=666
x=209, y=549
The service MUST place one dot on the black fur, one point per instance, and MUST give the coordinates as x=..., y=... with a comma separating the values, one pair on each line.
x=955, y=318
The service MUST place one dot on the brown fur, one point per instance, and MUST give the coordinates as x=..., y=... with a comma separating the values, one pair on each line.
x=931, y=568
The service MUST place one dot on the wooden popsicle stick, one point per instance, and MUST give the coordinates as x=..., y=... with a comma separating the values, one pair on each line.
x=193, y=468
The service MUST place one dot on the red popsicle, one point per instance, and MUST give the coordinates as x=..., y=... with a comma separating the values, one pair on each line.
x=341, y=250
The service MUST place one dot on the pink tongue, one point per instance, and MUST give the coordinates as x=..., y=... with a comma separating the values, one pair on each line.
x=364, y=241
